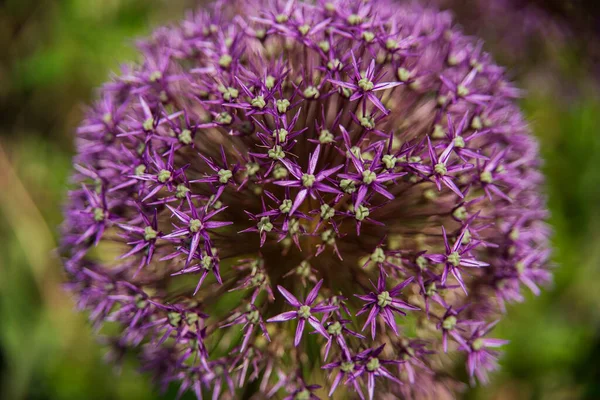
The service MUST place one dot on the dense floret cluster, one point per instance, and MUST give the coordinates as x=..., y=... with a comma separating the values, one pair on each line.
x=300, y=199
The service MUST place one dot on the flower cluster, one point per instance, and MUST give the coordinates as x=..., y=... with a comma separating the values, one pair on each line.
x=313, y=197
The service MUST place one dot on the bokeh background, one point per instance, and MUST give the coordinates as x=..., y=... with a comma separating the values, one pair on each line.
x=52, y=55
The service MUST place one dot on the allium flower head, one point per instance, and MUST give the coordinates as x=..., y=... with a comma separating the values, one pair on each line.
x=309, y=196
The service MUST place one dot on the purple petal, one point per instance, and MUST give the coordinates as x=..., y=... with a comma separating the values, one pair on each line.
x=312, y=296
x=286, y=316
x=377, y=103
x=385, y=85
x=371, y=320
x=288, y=296
x=402, y=304
x=388, y=317
x=362, y=192
x=298, y=200
x=216, y=224
x=495, y=342
x=450, y=184
x=458, y=276
x=471, y=262
x=317, y=325
x=193, y=248
x=180, y=215
x=321, y=309
x=371, y=385
x=312, y=165
x=299, y=330
x=321, y=187
x=400, y=286
x=382, y=191
x=343, y=84
x=288, y=183
x=325, y=173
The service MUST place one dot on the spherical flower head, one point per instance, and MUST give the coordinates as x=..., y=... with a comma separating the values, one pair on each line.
x=284, y=179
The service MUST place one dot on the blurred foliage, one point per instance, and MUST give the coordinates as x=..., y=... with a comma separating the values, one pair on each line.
x=55, y=52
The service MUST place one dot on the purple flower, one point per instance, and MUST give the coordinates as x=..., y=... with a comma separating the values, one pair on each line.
x=481, y=358
x=335, y=144
x=365, y=84
x=370, y=176
x=310, y=183
x=304, y=312
x=251, y=318
x=372, y=367
x=439, y=168
x=142, y=238
x=454, y=257
x=163, y=176
x=385, y=303
x=412, y=352
x=346, y=369
x=336, y=331
x=196, y=226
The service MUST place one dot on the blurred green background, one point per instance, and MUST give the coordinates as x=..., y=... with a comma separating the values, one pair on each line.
x=52, y=55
